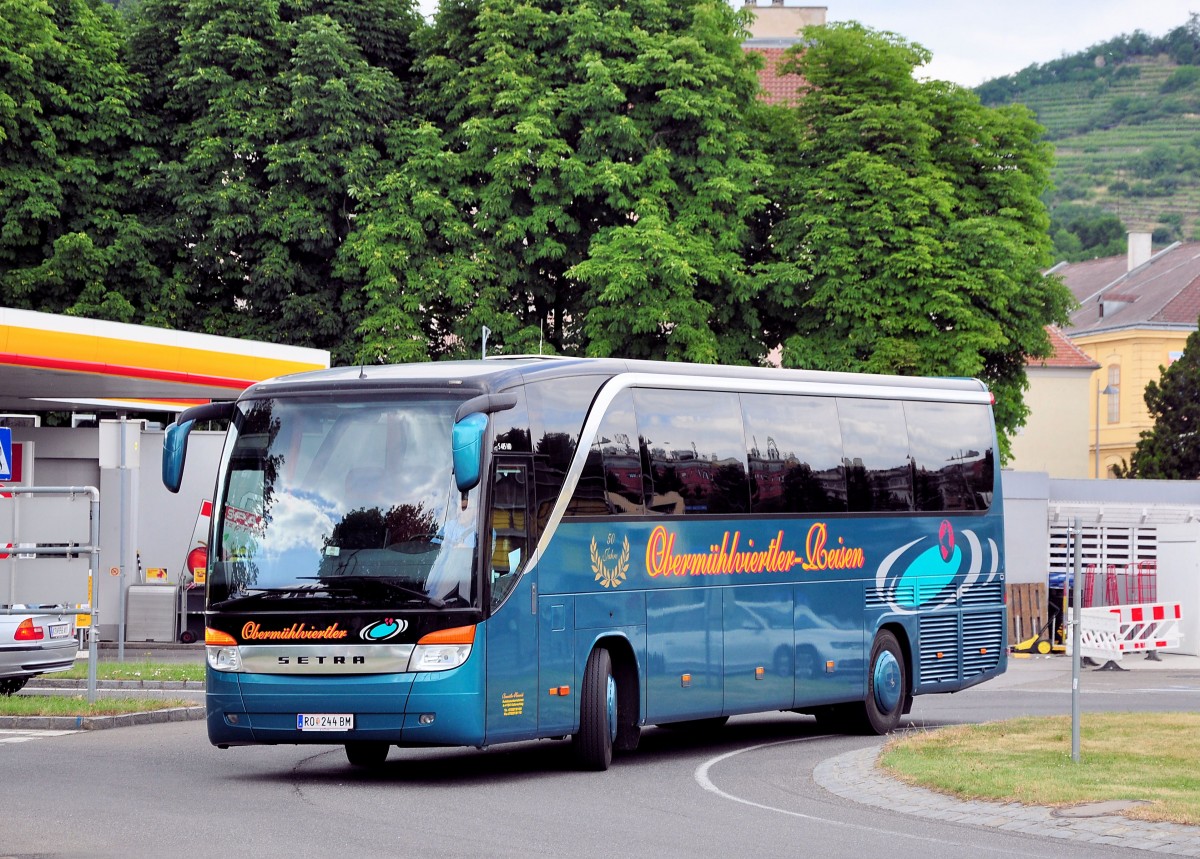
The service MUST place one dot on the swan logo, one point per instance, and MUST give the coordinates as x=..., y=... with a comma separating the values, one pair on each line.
x=382, y=630
x=926, y=573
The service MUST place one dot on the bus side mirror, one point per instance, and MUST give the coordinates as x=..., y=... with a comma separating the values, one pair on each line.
x=467, y=443
x=175, y=443
x=174, y=454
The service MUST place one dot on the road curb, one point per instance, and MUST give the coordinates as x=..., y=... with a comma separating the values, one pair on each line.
x=857, y=776
x=44, y=682
x=97, y=723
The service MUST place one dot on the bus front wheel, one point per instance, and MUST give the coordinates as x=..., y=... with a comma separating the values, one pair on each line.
x=887, y=687
x=597, y=713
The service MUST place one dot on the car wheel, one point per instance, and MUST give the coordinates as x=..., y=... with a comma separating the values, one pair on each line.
x=9, y=685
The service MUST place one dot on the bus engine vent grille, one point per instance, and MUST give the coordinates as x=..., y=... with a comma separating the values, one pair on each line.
x=991, y=593
x=983, y=633
x=939, y=648
x=900, y=595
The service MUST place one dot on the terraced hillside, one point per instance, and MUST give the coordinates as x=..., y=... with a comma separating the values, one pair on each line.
x=1126, y=133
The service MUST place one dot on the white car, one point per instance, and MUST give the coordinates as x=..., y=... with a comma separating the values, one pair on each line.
x=34, y=641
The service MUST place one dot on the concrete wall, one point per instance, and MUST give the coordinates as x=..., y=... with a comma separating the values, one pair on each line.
x=783, y=22
x=139, y=518
x=1026, y=533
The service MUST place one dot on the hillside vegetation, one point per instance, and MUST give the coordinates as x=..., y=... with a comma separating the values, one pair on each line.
x=1124, y=119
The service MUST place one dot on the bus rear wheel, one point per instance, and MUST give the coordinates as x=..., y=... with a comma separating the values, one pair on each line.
x=593, y=744
x=887, y=687
x=367, y=754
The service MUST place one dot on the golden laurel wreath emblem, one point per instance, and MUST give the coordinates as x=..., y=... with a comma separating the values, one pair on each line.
x=610, y=576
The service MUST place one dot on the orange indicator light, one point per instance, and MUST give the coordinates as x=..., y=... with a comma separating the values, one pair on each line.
x=216, y=638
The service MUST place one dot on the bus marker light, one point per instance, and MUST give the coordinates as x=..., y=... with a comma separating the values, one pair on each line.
x=759, y=673
x=216, y=638
x=829, y=666
x=685, y=681
x=940, y=654
x=561, y=691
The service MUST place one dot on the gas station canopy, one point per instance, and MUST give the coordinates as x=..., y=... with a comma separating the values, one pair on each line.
x=66, y=363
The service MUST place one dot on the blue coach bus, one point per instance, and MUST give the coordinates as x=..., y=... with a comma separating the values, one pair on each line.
x=469, y=553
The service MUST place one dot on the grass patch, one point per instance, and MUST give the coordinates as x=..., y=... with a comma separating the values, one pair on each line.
x=1152, y=757
x=77, y=705
x=143, y=670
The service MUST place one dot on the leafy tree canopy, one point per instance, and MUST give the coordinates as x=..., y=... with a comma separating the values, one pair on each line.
x=273, y=122
x=70, y=145
x=581, y=182
x=910, y=236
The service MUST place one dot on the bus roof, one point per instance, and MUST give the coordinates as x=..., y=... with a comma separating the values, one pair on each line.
x=503, y=372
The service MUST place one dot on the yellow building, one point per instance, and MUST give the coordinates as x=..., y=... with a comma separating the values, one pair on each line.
x=1059, y=413
x=1135, y=315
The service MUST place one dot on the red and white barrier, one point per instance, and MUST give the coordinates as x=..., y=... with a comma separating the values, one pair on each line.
x=1113, y=631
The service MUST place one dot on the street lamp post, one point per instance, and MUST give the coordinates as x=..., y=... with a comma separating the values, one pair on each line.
x=1109, y=390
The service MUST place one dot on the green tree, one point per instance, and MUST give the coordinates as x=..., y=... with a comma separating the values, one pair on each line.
x=273, y=119
x=1085, y=232
x=70, y=148
x=909, y=237
x=582, y=183
x=1170, y=450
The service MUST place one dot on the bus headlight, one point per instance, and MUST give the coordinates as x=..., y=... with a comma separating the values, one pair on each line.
x=222, y=651
x=442, y=650
x=224, y=658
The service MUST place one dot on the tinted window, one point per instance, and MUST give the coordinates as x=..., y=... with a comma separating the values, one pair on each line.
x=795, y=453
x=875, y=444
x=510, y=427
x=696, y=449
x=611, y=481
x=951, y=447
x=557, y=409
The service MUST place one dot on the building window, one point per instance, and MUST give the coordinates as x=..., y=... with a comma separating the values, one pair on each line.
x=1114, y=398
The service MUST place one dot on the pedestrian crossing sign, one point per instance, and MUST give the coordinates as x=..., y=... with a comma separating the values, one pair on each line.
x=5, y=453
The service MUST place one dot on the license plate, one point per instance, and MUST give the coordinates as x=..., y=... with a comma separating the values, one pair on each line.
x=324, y=721
x=60, y=630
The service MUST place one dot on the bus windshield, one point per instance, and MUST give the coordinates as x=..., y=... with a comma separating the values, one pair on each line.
x=343, y=504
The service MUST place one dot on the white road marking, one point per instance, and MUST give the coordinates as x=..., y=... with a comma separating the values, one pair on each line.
x=702, y=778
x=21, y=736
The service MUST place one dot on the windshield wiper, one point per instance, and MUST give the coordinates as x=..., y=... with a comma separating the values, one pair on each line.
x=272, y=593
x=355, y=584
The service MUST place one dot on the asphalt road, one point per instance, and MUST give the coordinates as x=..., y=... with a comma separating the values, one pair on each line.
x=745, y=790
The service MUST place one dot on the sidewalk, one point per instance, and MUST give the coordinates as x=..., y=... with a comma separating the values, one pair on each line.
x=856, y=775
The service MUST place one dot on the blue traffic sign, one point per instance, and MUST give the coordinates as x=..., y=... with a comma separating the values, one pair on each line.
x=5, y=453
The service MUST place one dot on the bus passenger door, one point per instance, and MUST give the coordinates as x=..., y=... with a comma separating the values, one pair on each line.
x=512, y=633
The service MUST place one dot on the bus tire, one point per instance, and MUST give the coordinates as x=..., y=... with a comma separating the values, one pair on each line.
x=887, y=687
x=593, y=744
x=367, y=754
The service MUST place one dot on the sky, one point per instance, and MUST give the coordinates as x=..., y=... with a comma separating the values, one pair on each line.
x=973, y=41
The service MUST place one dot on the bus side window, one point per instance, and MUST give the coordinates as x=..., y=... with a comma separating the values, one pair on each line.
x=878, y=468
x=510, y=528
x=611, y=482
x=795, y=453
x=694, y=449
